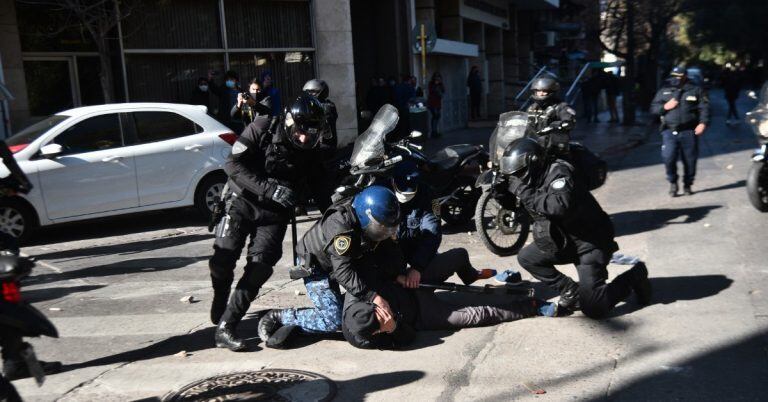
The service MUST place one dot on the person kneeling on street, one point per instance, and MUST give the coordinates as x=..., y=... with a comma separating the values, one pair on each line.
x=420, y=233
x=569, y=227
x=366, y=325
x=266, y=163
x=353, y=236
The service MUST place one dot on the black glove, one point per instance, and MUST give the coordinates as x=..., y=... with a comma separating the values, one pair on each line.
x=284, y=196
x=515, y=185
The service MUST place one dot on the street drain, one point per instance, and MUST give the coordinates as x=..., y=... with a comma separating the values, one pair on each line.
x=263, y=385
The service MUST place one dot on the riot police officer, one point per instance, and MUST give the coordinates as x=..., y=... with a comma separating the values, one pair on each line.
x=684, y=112
x=266, y=162
x=352, y=239
x=569, y=227
x=547, y=109
x=319, y=181
x=420, y=233
x=319, y=89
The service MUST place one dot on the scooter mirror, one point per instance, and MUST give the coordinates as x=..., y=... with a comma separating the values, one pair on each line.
x=752, y=94
x=416, y=134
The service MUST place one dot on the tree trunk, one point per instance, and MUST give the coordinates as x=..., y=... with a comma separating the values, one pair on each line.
x=105, y=75
x=628, y=103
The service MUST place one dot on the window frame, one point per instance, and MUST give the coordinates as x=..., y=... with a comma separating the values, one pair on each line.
x=128, y=120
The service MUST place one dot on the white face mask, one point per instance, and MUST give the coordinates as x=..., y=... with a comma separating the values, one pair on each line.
x=404, y=197
x=203, y=88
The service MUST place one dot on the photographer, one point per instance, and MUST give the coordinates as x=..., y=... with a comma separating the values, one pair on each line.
x=251, y=104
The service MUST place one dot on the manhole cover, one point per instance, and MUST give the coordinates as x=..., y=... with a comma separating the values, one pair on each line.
x=262, y=385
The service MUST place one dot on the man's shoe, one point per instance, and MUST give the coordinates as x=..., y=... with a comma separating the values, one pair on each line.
x=569, y=300
x=508, y=277
x=673, y=190
x=687, y=190
x=17, y=369
x=227, y=338
x=218, y=306
x=485, y=273
x=641, y=285
x=546, y=309
x=269, y=324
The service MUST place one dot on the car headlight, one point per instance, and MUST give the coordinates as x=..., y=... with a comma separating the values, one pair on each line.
x=762, y=128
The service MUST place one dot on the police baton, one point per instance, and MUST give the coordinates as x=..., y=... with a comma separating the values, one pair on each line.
x=487, y=289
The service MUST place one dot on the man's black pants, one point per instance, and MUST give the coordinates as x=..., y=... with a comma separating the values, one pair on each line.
x=597, y=297
x=242, y=221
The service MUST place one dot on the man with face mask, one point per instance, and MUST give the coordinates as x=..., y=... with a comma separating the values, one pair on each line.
x=266, y=163
x=353, y=237
x=569, y=227
x=227, y=94
x=684, y=112
x=420, y=232
x=252, y=104
x=201, y=95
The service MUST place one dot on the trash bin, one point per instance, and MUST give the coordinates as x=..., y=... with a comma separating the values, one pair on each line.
x=419, y=118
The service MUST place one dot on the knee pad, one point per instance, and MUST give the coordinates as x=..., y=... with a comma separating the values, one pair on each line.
x=256, y=274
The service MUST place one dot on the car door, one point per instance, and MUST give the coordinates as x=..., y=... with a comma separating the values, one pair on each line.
x=170, y=152
x=94, y=173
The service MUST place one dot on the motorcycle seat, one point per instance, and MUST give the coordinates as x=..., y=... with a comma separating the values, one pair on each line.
x=452, y=156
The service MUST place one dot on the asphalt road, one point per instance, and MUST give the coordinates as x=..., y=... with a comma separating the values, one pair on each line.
x=113, y=289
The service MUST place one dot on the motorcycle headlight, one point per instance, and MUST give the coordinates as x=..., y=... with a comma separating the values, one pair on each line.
x=762, y=128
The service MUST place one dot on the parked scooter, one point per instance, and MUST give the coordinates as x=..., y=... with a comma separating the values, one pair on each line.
x=501, y=221
x=757, y=178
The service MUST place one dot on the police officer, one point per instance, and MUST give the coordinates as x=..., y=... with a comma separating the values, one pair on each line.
x=351, y=239
x=318, y=181
x=569, y=227
x=266, y=162
x=420, y=233
x=684, y=111
x=547, y=109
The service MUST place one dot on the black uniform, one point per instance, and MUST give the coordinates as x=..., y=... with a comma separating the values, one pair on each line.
x=262, y=159
x=319, y=181
x=571, y=227
x=336, y=253
x=677, y=128
x=552, y=111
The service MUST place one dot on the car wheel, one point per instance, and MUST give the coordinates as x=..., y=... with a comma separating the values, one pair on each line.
x=17, y=219
x=208, y=192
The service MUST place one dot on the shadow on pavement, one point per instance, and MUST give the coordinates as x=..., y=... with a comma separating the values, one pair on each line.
x=117, y=226
x=667, y=290
x=117, y=268
x=740, y=183
x=41, y=295
x=124, y=248
x=633, y=222
x=357, y=389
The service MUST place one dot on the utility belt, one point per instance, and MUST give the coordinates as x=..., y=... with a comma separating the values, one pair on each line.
x=680, y=127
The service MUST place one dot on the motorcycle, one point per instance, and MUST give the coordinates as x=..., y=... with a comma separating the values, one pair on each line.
x=450, y=172
x=501, y=221
x=757, y=177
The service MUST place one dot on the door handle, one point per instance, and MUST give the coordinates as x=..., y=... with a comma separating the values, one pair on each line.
x=193, y=147
x=112, y=158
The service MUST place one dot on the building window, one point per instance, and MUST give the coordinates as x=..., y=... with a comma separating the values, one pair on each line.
x=188, y=24
x=268, y=24
x=290, y=70
x=168, y=77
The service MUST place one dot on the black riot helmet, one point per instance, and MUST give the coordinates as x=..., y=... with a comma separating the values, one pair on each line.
x=523, y=158
x=304, y=121
x=317, y=88
x=544, y=88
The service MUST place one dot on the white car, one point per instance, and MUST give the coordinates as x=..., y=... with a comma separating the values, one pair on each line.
x=114, y=159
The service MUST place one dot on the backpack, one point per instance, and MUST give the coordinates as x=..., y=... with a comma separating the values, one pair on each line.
x=589, y=167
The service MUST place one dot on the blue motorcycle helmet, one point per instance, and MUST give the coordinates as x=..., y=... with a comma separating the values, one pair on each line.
x=405, y=180
x=378, y=211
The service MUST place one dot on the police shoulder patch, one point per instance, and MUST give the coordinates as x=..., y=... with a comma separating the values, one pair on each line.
x=239, y=148
x=558, y=184
x=341, y=244
x=436, y=208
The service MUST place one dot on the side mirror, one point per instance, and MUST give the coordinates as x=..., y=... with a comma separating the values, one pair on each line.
x=752, y=94
x=51, y=150
x=416, y=134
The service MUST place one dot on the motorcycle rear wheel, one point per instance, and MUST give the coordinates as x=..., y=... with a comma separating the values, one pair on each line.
x=502, y=231
x=460, y=212
x=757, y=186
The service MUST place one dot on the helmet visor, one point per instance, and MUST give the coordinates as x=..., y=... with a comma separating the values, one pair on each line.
x=513, y=164
x=379, y=231
x=304, y=138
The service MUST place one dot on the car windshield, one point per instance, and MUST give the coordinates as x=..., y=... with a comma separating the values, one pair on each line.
x=33, y=132
x=370, y=145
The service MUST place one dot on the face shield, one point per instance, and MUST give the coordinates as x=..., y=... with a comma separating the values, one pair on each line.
x=379, y=231
x=302, y=137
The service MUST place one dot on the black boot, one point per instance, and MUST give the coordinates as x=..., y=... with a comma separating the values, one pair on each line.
x=227, y=338
x=219, y=305
x=640, y=283
x=569, y=297
x=17, y=369
x=687, y=190
x=673, y=190
x=269, y=324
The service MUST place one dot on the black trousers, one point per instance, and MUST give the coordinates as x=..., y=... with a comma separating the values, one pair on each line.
x=243, y=221
x=597, y=297
x=682, y=145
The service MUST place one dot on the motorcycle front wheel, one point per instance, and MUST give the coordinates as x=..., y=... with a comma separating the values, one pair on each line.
x=503, y=231
x=757, y=186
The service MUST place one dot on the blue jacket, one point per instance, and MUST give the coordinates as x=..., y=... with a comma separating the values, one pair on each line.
x=419, y=234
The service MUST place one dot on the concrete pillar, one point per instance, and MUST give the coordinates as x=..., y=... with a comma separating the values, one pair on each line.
x=335, y=63
x=494, y=54
x=13, y=67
